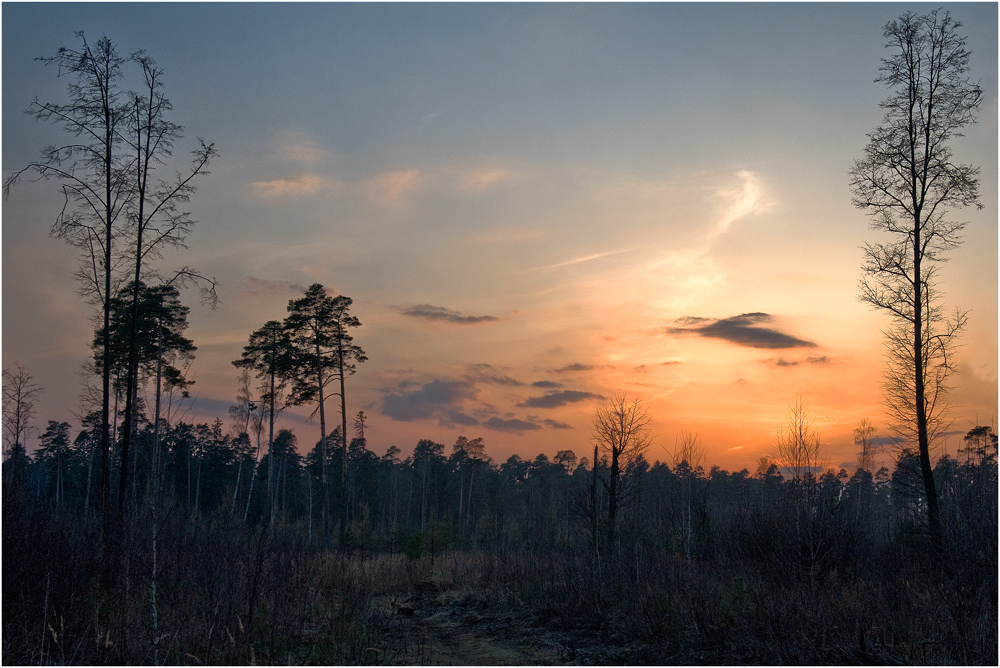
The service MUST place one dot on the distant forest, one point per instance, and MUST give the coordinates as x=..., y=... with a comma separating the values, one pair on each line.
x=742, y=567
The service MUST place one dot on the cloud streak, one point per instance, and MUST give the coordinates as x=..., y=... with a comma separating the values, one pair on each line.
x=573, y=368
x=303, y=184
x=442, y=314
x=743, y=330
x=512, y=425
x=556, y=399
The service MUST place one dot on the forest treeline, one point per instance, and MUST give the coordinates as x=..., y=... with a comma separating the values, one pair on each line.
x=823, y=568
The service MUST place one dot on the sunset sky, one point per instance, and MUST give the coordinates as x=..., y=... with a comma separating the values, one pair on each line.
x=532, y=206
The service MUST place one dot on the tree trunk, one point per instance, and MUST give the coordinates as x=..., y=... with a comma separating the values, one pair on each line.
x=923, y=438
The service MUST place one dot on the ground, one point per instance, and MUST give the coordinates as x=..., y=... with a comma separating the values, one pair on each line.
x=436, y=625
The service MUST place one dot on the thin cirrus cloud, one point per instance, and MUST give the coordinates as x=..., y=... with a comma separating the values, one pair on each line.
x=743, y=330
x=385, y=188
x=442, y=314
x=303, y=184
x=556, y=399
x=744, y=199
x=393, y=187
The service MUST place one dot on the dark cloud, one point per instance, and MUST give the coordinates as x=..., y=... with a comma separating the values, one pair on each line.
x=555, y=424
x=573, y=368
x=555, y=399
x=487, y=373
x=743, y=330
x=822, y=359
x=442, y=314
x=885, y=440
x=262, y=286
x=546, y=384
x=439, y=399
x=510, y=426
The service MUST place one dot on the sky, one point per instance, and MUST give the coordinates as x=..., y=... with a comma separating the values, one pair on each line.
x=533, y=207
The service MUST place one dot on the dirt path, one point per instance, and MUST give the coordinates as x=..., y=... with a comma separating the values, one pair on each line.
x=434, y=627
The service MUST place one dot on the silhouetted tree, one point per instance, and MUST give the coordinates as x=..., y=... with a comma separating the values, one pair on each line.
x=154, y=220
x=863, y=435
x=53, y=454
x=798, y=444
x=269, y=355
x=620, y=433
x=907, y=181
x=20, y=395
x=94, y=183
x=323, y=352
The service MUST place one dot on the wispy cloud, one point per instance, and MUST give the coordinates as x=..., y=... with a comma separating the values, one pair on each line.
x=781, y=361
x=303, y=184
x=297, y=149
x=488, y=374
x=584, y=258
x=573, y=368
x=261, y=286
x=743, y=330
x=392, y=187
x=477, y=180
x=556, y=399
x=442, y=314
x=742, y=200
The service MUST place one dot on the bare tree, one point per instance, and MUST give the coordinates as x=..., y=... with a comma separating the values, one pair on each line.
x=798, y=445
x=155, y=222
x=621, y=434
x=863, y=435
x=907, y=181
x=94, y=184
x=19, y=397
x=688, y=455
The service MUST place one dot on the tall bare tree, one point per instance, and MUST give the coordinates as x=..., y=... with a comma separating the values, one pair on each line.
x=155, y=221
x=93, y=177
x=907, y=181
x=621, y=435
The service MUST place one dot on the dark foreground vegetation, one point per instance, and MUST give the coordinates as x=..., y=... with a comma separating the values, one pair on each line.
x=706, y=567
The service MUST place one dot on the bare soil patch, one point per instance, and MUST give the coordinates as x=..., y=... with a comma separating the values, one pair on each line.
x=443, y=626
